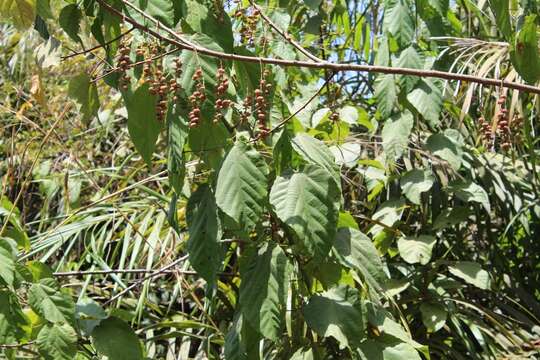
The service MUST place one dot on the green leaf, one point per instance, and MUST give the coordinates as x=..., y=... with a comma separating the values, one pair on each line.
x=69, y=19
x=43, y=9
x=202, y=18
x=524, y=53
x=57, y=342
x=50, y=303
x=304, y=354
x=398, y=21
x=162, y=10
x=20, y=12
x=313, y=4
x=395, y=134
x=427, y=100
x=415, y=182
x=337, y=313
x=450, y=217
x=115, y=339
x=177, y=137
x=501, y=8
x=12, y=319
x=85, y=93
x=433, y=316
x=409, y=58
x=316, y=152
x=469, y=191
x=472, y=273
x=416, y=249
x=241, y=188
x=204, y=248
x=349, y=114
x=355, y=250
x=387, y=350
x=143, y=126
x=88, y=315
x=263, y=291
x=308, y=203
x=445, y=148
x=7, y=261
x=386, y=94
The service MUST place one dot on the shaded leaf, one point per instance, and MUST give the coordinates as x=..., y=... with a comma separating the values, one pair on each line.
x=415, y=182
x=205, y=253
x=416, y=249
x=308, y=203
x=433, y=316
x=69, y=19
x=427, y=100
x=386, y=94
x=263, y=292
x=20, y=12
x=12, y=319
x=57, y=342
x=524, y=53
x=409, y=58
x=443, y=147
x=398, y=21
x=472, y=273
x=337, y=313
x=49, y=302
x=395, y=134
x=241, y=188
x=85, y=93
x=469, y=191
x=115, y=339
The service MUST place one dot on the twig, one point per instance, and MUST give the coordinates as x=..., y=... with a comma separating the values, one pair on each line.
x=128, y=271
x=97, y=46
x=336, y=67
x=284, y=34
x=152, y=275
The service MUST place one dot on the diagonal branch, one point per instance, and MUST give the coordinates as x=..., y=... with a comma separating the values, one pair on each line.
x=284, y=34
x=185, y=44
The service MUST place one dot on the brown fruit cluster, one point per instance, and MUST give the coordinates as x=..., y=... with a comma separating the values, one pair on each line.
x=196, y=99
x=249, y=21
x=261, y=105
x=221, y=103
x=502, y=124
x=123, y=65
x=246, y=109
x=515, y=126
x=334, y=117
x=486, y=131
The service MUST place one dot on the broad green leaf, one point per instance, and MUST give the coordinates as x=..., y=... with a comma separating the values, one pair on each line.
x=355, y=250
x=115, y=339
x=319, y=116
x=177, y=136
x=204, y=248
x=313, y=4
x=384, y=322
x=469, y=191
x=386, y=94
x=472, y=273
x=57, y=342
x=415, y=182
x=524, y=54
x=416, y=249
x=263, y=292
x=433, y=316
x=241, y=188
x=162, y=10
x=12, y=319
x=371, y=349
x=388, y=214
x=450, y=217
x=88, y=315
x=337, y=313
x=43, y=9
x=202, y=17
x=308, y=203
x=69, y=19
x=347, y=154
x=143, y=126
x=39, y=270
x=234, y=348
x=427, y=100
x=20, y=12
x=307, y=103
x=399, y=21
x=382, y=58
x=316, y=152
x=395, y=134
x=349, y=114
x=442, y=146
x=304, y=354
x=501, y=8
x=85, y=93
x=49, y=302
x=409, y=58
x=7, y=261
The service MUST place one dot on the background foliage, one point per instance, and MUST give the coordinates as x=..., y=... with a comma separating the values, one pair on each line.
x=161, y=203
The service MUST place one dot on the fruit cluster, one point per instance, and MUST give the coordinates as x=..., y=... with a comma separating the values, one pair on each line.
x=486, y=131
x=221, y=103
x=123, y=65
x=196, y=99
x=249, y=19
x=502, y=124
x=261, y=105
